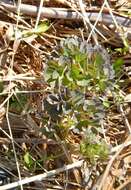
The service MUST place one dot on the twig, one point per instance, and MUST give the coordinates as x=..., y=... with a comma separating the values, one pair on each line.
x=115, y=149
x=128, y=181
x=39, y=13
x=125, y=119
x=109, y=165
x=97, y=20
x=18, y=78
x=5, y=101
x=41, y=177
x=68, y=14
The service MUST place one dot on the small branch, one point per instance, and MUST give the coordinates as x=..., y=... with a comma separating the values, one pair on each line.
x=125, y=119
x=110, y=163
x=128, y=181
x=40, y=177
x=69, y=14
x=18, y=78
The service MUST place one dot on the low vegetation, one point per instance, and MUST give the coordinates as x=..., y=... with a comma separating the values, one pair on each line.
x=65, y=99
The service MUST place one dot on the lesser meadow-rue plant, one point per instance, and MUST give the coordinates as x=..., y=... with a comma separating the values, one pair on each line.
x=80, y=78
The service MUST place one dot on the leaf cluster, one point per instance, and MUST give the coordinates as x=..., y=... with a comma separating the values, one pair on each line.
x=79, y=77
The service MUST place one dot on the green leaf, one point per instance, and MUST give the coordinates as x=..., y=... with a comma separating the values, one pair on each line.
x=28, y=160
x=98, y=60
x=94, y=150
x=81, y=58
x=83, y=82
x=86, y=123
x=42, y=27
x=106, y=103
x=118, y=64
x=75, y=72
x=17, y=103
x=77, y=98
x=101, y=84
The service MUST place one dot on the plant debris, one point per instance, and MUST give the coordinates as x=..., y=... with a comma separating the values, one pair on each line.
x=65, y=95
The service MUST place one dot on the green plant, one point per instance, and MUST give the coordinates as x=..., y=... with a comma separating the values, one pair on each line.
x=93, y=148
x=80, y=78
x=29, y=163
x=18, y=102
x=117, y=65
x=42, y=28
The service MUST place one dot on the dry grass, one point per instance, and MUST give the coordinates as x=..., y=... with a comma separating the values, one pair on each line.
x=28, y=152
